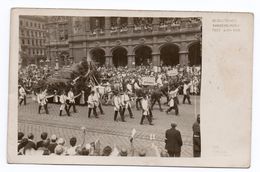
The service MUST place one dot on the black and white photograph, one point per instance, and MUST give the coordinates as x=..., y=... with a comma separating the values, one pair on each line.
x=109, y=86
x=130, y=88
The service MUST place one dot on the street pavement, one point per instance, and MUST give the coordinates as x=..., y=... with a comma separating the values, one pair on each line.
x=106, y=130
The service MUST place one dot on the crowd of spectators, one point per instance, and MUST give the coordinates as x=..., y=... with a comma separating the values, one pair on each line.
x=31, y=75
x=54, y=146
x=121, y=75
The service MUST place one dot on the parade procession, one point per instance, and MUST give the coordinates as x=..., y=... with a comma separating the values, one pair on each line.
x=137, y=86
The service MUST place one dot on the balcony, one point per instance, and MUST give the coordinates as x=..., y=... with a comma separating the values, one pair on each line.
x=149, y=30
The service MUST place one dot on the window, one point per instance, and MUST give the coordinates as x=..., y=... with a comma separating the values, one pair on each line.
x=21, y=23
x=31, y=24
x=39, y=25
x=26, y=23
x=35, y=25
x=22, y=41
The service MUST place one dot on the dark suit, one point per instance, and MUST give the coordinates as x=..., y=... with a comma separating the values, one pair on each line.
x=173, y=142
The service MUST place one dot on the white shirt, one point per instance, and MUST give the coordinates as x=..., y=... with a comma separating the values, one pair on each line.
x=136, y=86
x=41, y=98
x=91, y=101
x=63, y=98
x=71, y=96
x=117, y=103
x=22, y=91
x=129, y=87
x=185, y=88
x=145, y=104
x=174, y=93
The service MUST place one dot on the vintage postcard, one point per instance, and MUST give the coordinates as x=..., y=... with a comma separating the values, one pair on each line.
x=121, y=87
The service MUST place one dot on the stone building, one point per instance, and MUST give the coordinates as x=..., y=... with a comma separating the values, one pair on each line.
x=121, y=41
x=32, y=34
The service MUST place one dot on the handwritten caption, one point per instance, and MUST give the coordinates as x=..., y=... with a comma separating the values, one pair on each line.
x=225, y=25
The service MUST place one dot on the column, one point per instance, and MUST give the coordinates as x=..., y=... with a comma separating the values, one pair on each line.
x=130, y=61
x=183, y=53
x=109, y=61
x=183, y=57
x=156, y=59
x=107, y=25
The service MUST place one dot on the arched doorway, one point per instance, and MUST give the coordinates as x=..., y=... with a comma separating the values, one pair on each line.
x=195, y=54
x=143, y=56
x=169, y=55
x=98, y=57
x=119, y=57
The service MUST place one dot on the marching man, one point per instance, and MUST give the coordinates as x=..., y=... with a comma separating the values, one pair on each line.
x=42, y=100
x=173, y=101
x=91, y=105
x=97, y=100
x=55, y=98
x=186, y=92
x=71, y=99
x=63, y=106
x=126, y=104
x=22, y=96
x=145, y=110
x=118, y=107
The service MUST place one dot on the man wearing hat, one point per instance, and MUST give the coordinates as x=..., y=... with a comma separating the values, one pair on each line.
x=118, y=107
x=71, y=99
x=53, y=143
x=186, y=92
x=22, y=96
x=126, y=104
x=145, y=110
x=173, y=101
x=173, y=141
x=156, y=97
x=196, y=137
x=91, y=105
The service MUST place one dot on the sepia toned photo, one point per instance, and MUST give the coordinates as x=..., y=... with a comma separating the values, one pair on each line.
x=118, y=87
x=109, y=86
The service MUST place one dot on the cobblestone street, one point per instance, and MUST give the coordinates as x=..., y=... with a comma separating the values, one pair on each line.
x=104, y=128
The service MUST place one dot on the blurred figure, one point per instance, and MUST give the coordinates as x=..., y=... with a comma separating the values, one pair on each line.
x=196, y=137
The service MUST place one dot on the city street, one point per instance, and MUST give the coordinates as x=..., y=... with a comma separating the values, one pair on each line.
x=106, y=130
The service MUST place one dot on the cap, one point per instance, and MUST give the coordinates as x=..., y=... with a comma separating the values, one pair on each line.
x=53, y=137
x=123, y=152
x=173, y=125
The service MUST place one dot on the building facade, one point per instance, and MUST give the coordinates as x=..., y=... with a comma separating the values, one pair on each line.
x=32, y=37
x=121, y=41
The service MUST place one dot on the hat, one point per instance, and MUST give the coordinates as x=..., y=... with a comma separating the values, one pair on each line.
x=20, y=135
x=123, y=152
x=53, y=138
x=30, y=136
x=58, y=150
x=142, y=153
x=107, y=151
x=60, y=141
x=173, y=125
x=87, y=146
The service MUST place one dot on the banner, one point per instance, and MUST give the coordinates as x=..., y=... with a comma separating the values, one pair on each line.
x=148, y=81
x=172, y=72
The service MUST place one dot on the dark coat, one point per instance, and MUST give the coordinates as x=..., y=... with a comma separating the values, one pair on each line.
x=173, y=140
